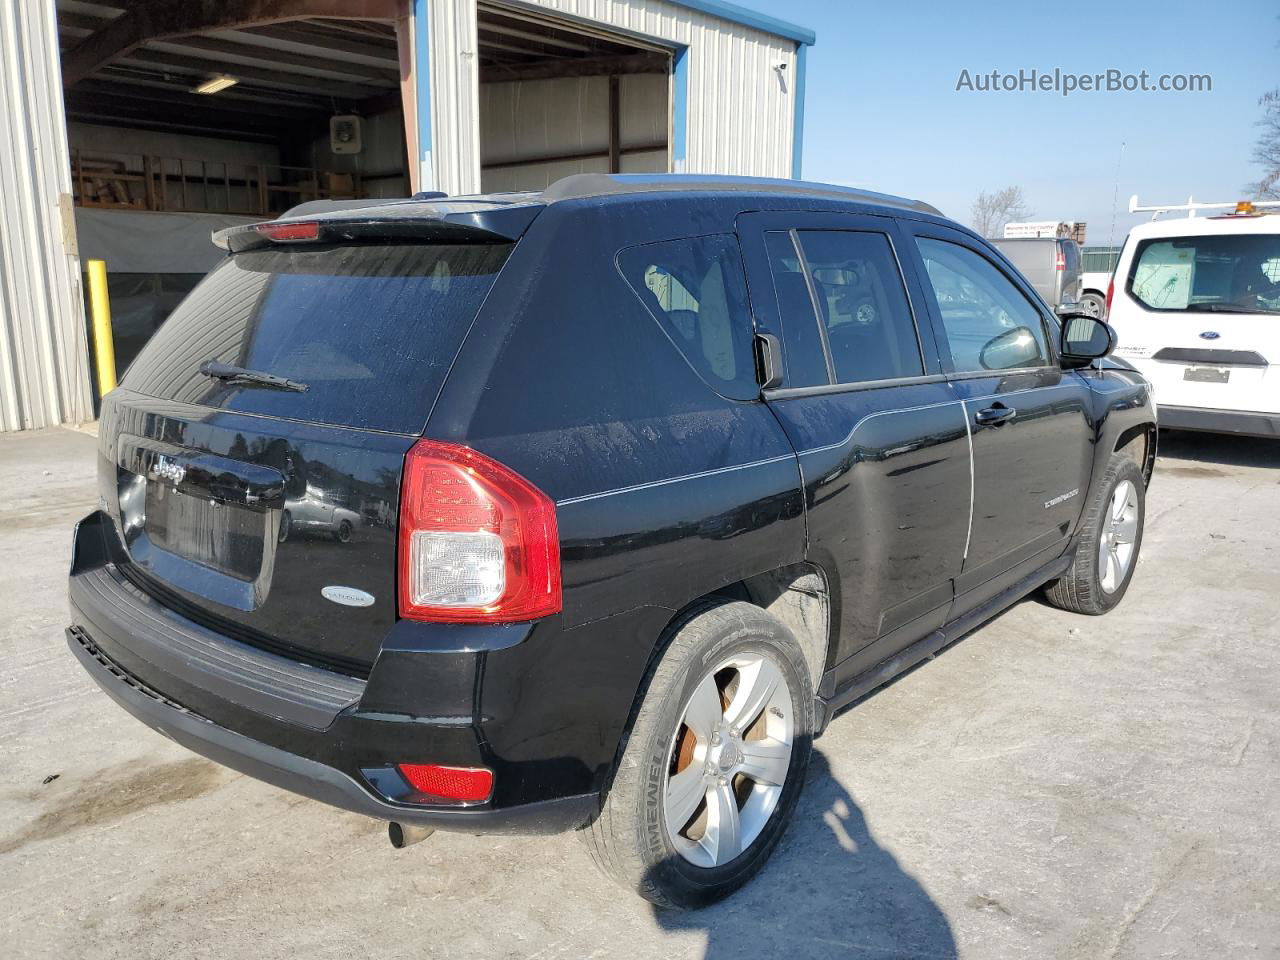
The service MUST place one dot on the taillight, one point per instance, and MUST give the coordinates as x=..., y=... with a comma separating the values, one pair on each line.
x=1111, y=292
x=1060, y=263
x=456, y=784
x=287, y=232
x=478, y=542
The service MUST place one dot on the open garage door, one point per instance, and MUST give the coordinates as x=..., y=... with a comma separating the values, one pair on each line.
x=559, y=97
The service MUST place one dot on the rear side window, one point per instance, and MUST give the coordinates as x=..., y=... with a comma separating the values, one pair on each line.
x=863, y=305
x=370, y=329
x=696, y=290
x=1212, y=274
x=806, y=361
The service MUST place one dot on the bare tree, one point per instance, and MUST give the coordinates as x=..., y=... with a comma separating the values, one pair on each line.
x=991, y=211
x=1266, y=152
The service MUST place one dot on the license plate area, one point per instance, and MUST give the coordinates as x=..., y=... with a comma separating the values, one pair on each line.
x=224, y=536
x=1207, y=374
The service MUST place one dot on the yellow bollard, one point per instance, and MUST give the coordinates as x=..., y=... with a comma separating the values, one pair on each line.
x=104, y=348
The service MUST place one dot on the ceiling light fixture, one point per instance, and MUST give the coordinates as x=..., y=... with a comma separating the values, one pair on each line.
x=215, y=83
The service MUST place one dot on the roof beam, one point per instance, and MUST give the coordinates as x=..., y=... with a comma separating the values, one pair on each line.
x=197, y=67
x=233, y=53
x=160, y=19
x=581, y=67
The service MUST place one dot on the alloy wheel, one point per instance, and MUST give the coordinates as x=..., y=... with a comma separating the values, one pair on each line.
x=728, y=760
x=1117, y=541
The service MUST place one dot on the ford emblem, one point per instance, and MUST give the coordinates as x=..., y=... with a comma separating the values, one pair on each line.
x=1210, y=335
x=347, y=596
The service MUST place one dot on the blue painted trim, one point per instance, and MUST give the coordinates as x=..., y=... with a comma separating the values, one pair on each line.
x=750, y=18
x=679, y=109
x=422, y=90
x=797, y=135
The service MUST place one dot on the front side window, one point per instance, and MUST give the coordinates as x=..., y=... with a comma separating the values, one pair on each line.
x=989, y=324
x=1211, y=274
x=696, y=290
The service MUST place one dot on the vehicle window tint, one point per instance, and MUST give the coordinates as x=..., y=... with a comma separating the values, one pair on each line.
x=863, y=304
x=989, y=324
x=1211, y=274
x=696, y=291
x=370, y=329
x=806, y=362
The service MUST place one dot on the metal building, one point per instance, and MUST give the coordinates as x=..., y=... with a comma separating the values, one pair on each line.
x=44, y=372
x=142, y=122
x=706, y=86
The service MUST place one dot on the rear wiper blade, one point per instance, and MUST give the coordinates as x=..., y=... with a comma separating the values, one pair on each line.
x=234, y=374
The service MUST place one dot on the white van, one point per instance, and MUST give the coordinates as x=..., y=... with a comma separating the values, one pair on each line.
x=1195, y=304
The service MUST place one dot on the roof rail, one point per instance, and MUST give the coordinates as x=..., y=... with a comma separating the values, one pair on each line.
x=1191, y=206
x=584, y=185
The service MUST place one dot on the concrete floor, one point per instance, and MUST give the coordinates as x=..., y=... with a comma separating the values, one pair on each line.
x=1051, y=786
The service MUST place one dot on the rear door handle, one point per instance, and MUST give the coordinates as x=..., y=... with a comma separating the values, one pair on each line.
x=995, y=415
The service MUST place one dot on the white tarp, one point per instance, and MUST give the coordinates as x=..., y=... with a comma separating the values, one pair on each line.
x=137, y=241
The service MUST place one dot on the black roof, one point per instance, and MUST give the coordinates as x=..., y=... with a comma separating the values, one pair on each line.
x=506, y=215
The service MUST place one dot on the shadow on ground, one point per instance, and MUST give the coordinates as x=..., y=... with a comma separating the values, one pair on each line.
x=830, y=890
x=1220, y=448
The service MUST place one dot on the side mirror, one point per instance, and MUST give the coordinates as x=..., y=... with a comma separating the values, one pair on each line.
x=768, y=360
x=1084, y=339
x=1013, y=348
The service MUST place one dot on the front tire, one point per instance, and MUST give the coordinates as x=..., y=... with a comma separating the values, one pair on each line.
x=714, y=762
x=1107, y=553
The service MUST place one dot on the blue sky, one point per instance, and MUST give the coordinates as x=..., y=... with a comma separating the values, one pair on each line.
x=882, y=110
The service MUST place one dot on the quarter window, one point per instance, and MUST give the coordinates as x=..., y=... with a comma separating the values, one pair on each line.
x=989, y=324
x=696, y=291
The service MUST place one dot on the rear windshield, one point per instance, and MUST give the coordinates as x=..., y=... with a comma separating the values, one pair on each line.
x=370, y=329
x=1237, y=273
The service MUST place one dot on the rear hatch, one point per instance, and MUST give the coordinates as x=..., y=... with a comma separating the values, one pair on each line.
x=1200, y=317
x=252, y=456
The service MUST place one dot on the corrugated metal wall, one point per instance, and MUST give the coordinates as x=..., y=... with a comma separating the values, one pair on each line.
x=44, y=370
x=741, y=107
x=547, y=118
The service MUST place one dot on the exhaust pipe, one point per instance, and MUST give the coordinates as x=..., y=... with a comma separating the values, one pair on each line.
x=403, y=835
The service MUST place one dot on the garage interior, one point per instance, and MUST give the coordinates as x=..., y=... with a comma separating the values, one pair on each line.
x=184, y=118
x=559, y=98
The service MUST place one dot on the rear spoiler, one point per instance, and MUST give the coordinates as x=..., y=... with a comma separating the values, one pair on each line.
x=465, y=223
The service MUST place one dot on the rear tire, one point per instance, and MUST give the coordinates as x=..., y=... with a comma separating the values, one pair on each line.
x=286, y=524
x=1094, y=305
x=1110, y=541
x=343, y=533
x=708, y=742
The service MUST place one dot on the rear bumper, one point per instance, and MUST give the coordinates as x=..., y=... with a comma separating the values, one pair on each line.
x=1242, y=423
x=337, y=738
x=304, y=776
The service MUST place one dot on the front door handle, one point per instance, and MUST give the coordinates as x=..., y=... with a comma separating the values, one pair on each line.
x=995, y=415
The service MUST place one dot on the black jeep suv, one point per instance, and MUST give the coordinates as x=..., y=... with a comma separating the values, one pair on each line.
x=638, y=480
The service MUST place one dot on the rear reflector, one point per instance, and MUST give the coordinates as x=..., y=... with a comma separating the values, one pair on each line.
x=1061, y=262
x=289, y=231
x=478, y=542
x=1111, y=292
x=456, y=784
